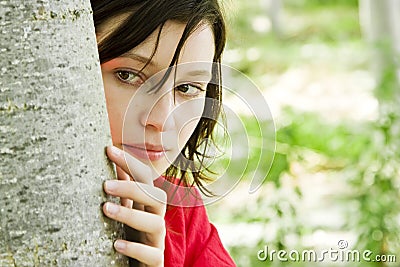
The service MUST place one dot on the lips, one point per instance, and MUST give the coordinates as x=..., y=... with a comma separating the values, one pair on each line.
x=145, y=151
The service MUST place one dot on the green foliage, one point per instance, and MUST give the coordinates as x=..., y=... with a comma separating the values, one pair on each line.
x=365, y=154
x=342, y=141
x=319, y=3
x=279, y=166
x=311, y=23
x=376, y=181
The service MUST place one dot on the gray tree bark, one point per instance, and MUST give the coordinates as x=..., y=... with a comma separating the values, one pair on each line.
x=53, y=131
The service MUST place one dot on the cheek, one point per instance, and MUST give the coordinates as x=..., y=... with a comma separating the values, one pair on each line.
x=187, y=119
x=186, y=131
x=116, y=103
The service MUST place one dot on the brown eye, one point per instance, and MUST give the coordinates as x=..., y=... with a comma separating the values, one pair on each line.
x=189, y=90
x=183, y=88
x=126, y=75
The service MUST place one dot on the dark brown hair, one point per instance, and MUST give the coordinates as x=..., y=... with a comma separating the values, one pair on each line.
x=143, y=18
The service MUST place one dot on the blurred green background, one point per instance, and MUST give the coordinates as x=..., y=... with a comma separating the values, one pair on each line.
x=331, y=82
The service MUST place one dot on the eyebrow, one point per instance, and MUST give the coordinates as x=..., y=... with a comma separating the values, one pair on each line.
x=148, y=61
x=199, y=73
x=143, y=59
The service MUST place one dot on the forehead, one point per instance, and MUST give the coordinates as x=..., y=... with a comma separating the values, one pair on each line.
x=199, y=46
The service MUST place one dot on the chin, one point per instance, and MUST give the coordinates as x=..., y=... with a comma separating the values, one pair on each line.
x=159, y=166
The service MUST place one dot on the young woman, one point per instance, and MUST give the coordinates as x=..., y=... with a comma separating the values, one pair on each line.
x=160, y=62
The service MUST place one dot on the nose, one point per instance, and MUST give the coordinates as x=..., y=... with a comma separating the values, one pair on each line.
x=159, y=115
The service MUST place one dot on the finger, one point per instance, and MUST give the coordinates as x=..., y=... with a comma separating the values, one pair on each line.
x=123, y=175
x=126, y=202
x=137, y=169
x=138, y=206
x=152, y=224
x=153, y=198
x=146, y=254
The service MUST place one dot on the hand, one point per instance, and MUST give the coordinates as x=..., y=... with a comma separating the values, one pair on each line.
x=142, y=208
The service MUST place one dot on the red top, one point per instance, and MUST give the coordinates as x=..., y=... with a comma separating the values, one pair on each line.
x=191, y=240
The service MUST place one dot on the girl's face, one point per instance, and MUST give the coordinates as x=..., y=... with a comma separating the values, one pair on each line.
x=154, y=127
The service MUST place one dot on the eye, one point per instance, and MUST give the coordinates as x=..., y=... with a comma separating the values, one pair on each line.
x=128, y=77
x=190, y=90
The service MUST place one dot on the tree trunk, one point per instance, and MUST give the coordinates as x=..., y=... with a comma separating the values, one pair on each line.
x=380, y=24
x=273, y=9
x=53, y=131
x=275, y=13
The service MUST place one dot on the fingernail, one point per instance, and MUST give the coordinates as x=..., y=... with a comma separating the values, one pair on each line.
x=112, y=208
x=119, y=245
x=116, y=151
x=110, y=185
